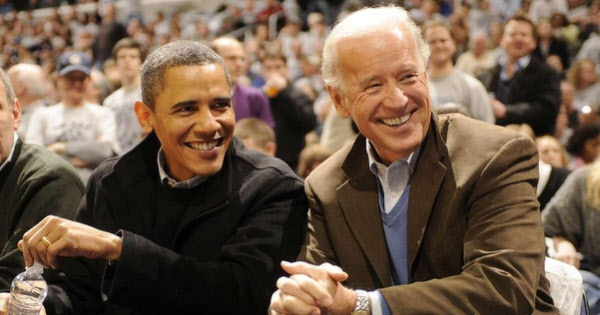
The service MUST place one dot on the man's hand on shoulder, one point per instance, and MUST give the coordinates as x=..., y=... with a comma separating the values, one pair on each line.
x=310, y=288
x=55, y=236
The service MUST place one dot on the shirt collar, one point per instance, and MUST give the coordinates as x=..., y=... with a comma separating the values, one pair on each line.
x=12, y=151
x=169, y=181
x=375, y=163
x=521, y=63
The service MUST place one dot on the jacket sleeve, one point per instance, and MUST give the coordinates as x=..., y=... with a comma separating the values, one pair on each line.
x=298, y=109
x=501, y=263
x=542, y=105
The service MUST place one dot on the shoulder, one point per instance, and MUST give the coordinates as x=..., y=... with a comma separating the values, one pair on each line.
x=251, y=91
x=39, y=165
x=256, y=164
x=470, y=80
x=471, y=142
x=109, y=101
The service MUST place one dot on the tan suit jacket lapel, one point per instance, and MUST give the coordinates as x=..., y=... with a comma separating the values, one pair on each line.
x=360, y=205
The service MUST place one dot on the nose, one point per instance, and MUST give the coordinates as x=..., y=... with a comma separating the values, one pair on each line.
x=395, y=97
x=205, y=123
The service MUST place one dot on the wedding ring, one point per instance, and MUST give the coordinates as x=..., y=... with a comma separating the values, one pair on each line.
x=46, y=241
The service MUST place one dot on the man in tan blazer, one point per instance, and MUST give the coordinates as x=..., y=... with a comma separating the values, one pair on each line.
x=430, y=214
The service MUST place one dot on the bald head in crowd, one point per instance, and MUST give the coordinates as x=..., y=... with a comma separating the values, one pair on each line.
x=233, y=54
x=30, y=86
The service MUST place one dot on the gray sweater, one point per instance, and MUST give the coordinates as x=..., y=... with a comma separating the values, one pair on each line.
x=570, y=216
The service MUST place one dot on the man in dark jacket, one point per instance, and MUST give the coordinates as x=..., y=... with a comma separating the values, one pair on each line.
x=526, y=90
x=34, y=183
x=292, y=109
x=189, y=221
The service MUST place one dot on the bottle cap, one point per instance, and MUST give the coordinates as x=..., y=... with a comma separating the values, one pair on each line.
x=35, y=267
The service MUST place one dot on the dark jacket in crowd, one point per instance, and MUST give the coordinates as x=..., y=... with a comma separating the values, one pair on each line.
x=557, y=178
x=222, y=255
x=294, y=117
x=533, y=96
x=557, y=47
x=34, y=184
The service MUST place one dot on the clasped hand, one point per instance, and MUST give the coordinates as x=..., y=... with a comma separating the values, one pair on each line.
x=69, y=239
x=312, y=289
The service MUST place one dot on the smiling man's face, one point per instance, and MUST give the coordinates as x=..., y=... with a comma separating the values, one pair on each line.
x=385, y=91
x=193, y=119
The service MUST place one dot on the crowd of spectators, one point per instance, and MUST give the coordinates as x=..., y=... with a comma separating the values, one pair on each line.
x=538, y=73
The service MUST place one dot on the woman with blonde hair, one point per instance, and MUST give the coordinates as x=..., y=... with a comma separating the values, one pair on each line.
x=582, y=75
x=572, y=219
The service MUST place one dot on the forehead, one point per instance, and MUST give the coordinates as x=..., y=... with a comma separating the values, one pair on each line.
x=519, y=26
x=437, y=31
x=196, y=82
x=273, y=62
x=230, y=48
x=128, y=51
x=380, y=53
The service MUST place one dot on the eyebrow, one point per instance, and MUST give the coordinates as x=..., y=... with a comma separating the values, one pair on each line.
x=221, y=99
x=183, y=104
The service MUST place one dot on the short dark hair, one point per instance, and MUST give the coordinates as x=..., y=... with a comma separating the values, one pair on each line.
x=580, y=135
x=522, y=17
x=274, y=53
x=175, y=54
x=129, y=42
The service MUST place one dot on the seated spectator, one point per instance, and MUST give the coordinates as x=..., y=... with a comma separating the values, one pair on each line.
x=582, y=75
x=99, y=88
x=567, y=95
x=552, y=168
x=551, y=151
x=129, y=56
x=311, y=157
x=590, y=49
x=82, y=132
x=34, y=183
x=188, y=221
x=247, y=101
x=256, y=135
x=526, y=90
x=478, y=58
x=571, y=219
x=548, y=44
x=540, y=9
x=291, y=108
x=584, y=145
x=30, y=83
x=450, y=85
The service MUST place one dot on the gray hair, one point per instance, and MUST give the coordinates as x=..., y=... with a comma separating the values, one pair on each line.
x=175, y=54
x=31, y=76
x=363, y=22
x=8, y=89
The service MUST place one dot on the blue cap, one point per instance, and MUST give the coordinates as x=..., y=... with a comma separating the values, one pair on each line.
x=73, y=61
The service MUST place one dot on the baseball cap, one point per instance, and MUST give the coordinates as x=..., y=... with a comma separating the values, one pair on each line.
x=73, y=61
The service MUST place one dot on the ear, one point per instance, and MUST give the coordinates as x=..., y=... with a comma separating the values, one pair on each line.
x=271, y=148
x=144, y=116
x=338, y=101
x=16, y=112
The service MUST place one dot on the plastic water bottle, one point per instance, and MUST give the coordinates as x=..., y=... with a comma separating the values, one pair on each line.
x=28, y=291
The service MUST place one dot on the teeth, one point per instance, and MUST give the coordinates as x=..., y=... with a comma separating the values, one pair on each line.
x=206, y=146
x=396, y=121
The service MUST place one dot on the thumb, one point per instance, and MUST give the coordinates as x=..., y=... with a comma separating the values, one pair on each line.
x=20, y=245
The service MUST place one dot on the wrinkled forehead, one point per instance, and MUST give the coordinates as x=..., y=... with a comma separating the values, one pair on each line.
x=360, y=51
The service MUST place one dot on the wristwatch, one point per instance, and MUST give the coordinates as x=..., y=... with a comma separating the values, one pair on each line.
x=363, y=303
